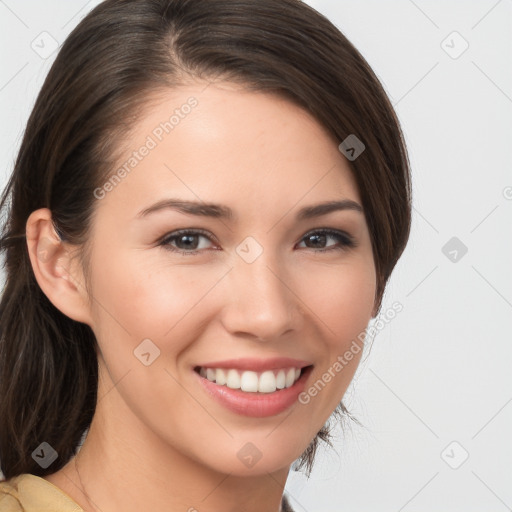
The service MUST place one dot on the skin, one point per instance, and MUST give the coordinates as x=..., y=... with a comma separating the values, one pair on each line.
x=157, y=441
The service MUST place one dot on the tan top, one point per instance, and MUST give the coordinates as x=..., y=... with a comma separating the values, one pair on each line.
x=31, y=493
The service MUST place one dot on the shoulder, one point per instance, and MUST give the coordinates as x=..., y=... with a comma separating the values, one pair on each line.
x=9, y=495
x=30, y=493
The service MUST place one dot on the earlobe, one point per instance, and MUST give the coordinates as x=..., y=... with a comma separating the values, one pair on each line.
x=59, y=278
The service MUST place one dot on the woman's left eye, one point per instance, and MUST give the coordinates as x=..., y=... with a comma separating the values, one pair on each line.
x=188, y=239
x=344, y=239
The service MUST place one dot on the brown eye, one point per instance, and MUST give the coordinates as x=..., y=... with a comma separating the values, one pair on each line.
x=318, y=238
x=184, y=241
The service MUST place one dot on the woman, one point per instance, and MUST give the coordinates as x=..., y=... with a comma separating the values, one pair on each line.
x=207, y=204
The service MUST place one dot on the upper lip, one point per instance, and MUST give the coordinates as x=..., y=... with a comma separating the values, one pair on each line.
x=258, y=365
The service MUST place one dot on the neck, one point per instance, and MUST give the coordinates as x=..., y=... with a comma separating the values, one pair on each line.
x=124, y=466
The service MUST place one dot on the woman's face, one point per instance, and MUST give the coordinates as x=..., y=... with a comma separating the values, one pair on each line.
x=253, y=286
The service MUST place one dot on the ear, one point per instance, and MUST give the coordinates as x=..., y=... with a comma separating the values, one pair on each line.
x=58, y=275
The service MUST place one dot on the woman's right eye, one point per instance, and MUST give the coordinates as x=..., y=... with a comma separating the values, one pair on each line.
x=186, y=238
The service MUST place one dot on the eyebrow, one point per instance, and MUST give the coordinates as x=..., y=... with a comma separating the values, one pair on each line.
x=220, y=211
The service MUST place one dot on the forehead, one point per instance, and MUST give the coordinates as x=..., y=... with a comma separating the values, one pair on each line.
x=222, y=143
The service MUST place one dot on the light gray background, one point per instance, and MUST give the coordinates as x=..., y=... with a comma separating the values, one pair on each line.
x=436, y=386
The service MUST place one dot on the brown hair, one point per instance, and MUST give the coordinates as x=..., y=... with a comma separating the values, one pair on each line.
x=119, y=53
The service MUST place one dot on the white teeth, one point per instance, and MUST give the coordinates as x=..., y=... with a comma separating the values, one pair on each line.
x=267, y=382
x=290, y=378
x=280, y=379
x=220, y=376
x=252, y=382
x=249, y=381
x=233, y=379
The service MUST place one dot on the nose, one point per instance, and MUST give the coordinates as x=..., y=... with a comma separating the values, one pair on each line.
x=260, y=301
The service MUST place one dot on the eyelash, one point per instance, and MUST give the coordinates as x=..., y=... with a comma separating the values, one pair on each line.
x=346, y=240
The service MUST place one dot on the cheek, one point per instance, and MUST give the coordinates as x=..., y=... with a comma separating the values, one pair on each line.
x=342, y=297
x=342, y=302
x=338, y=302
x=145, y=296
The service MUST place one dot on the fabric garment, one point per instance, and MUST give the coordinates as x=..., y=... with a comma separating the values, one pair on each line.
x=31, y=493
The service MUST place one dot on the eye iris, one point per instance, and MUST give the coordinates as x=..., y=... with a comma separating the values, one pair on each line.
x=187, y=237
x=317, y=237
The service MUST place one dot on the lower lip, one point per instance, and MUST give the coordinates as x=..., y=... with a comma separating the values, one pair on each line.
x=256, y=405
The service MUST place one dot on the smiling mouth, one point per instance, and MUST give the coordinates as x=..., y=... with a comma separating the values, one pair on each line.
x=268, y=381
